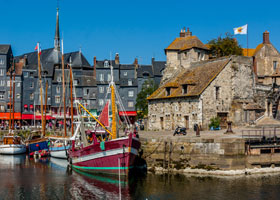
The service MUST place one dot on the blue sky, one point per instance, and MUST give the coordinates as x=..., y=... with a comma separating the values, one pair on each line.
x=132, y=28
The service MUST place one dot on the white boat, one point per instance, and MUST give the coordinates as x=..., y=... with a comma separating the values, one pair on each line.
x=12, y=145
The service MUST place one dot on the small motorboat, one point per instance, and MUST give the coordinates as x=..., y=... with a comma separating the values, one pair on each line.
x=12, y=145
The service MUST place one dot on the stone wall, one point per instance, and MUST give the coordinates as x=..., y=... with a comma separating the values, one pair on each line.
x=194, y=153
x=166, y=114
x=209, y=154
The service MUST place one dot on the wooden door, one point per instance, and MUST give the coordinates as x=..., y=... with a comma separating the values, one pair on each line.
x=161, y=123
x=223, y=117
x=186, y=118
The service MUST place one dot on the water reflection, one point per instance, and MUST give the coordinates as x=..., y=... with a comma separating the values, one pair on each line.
x=23, y=178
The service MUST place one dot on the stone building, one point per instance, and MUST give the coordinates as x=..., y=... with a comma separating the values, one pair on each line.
x=195, y=89
x=206, y=89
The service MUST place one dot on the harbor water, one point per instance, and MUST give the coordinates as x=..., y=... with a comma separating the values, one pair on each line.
x=23, y=178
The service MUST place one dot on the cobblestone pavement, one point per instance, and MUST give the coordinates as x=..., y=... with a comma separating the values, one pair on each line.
x=208, y=134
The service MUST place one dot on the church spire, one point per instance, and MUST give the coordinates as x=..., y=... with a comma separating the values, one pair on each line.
x=56, y=37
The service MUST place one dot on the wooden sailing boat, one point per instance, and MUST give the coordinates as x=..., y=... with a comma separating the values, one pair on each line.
x=38, y=144
x=11, y=143
x=112, y=156
x=59, y=146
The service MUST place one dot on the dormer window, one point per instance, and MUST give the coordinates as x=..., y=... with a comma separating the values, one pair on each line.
x=106, y=63
x=185, y=89
x=168, y=91
x=274, y=65
x=59, y=79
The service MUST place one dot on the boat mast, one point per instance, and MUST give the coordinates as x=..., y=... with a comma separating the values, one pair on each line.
x=63, y=89
x=46, y=102
x=71, y=96
x=13, y=120
x=41, y=89
x=10, y=122
x=114, y=126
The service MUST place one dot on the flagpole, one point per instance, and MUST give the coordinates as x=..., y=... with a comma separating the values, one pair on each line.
x=247, y=39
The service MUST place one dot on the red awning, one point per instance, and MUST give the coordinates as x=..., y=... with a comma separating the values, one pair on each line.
x=7, y=115
x=31, y=106
x=25, y=106
x=37, y=117
x=127, y=113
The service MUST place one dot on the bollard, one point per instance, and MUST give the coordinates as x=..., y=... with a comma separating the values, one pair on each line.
x=229, y=129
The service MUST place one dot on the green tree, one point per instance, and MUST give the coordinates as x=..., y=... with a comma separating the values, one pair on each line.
x=224, y=46
x=148, y=88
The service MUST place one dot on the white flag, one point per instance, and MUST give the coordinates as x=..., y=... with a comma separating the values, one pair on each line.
x=241, y=30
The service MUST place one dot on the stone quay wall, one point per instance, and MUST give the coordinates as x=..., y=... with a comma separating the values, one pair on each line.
x=198, y=153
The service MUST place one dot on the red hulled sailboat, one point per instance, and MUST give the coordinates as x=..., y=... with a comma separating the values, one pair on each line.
x=104, y=153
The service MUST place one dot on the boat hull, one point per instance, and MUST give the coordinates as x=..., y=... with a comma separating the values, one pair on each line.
x=117, y=157
x=12, y=149
x=59, y=152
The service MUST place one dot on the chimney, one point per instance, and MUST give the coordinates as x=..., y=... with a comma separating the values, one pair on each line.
x=135, y=67
x=117, y=59
x=94, y=67
x=184, y=33
x=266, y=37
x=188, y=33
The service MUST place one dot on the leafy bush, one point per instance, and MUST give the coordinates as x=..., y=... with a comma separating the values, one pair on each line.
x=215, y=122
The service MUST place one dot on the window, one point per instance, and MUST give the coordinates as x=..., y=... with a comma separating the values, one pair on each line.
x=274, y=65
x=198, y=55
x=168, y=91
x=101, y=77
x=9, y=94
x=8, y=83
x=1, y=61
x=31, y=74
x=75, y=82
x=101, y=102
x=109, y=77
x=86, y=91
x=25, y=74
x=108, y=89
x=57, y=89
x=130, y=93
x=101, y=89
x=59, y=79
x=31, y=96
x=130, y=82
x=106, y=63
x=217, y=88
x=2, y=94
x=49, y=99
x=130, y=104
x=18, y=84
x=185, y=89
x=18, y=96
x=2, y=71
x=31, y=84
x=57, y=99
x=2, y=83
x=124, y=73
x=2, y=108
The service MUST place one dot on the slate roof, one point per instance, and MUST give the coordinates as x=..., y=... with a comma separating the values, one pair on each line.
x=198, y=77
x=184, y=43
x=142, y=69
x=88, y=81
x=4, y=48
x=100, y=64
x=127, y=67
x=158, y=66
